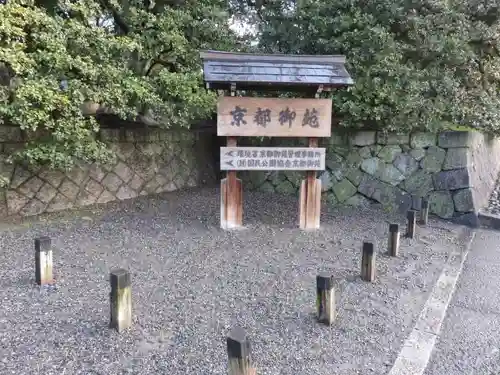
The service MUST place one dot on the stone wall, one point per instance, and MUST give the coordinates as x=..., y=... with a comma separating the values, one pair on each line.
x=148, y=162
x=484, y=168
x=455, y=170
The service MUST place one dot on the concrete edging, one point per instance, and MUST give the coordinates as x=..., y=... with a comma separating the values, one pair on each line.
x=489, y=220
x=417, y=349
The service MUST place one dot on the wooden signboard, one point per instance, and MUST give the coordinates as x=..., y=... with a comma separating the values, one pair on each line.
x=272, y=158
x=273, y=117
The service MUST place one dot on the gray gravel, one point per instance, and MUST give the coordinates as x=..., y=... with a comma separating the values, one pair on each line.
x=191, y=282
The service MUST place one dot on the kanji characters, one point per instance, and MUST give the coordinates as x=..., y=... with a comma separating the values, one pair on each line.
x=238, y=113
x=287, y=116
x=311, y=118
x=262, y=117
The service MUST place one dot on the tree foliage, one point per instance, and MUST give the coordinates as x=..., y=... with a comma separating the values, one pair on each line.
x=63, y=60
x=423, y=64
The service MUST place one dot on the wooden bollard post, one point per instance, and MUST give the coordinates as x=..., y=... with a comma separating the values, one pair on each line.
x=238, y=351
x=121, y=300
x=43, y=261
x=393, y=240
x=325, y=297
x=412, y=222
x=368, y=262
x=424, y=212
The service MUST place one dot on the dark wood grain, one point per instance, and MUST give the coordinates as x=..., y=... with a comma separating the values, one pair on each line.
x=393, y=240
x=368, y=262
x=412, y=223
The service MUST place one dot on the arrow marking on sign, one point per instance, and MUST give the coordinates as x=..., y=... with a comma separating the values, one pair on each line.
x=229, y=153
x=230, y=162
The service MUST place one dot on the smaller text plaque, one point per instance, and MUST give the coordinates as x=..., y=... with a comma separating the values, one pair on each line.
x=272, y=158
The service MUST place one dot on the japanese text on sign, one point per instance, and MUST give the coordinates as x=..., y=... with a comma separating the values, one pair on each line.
x=263, y=116
x=243, y=116
x=247, y=158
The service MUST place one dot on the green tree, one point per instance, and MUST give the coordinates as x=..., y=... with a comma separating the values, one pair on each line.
x=416, y=64
x=61, y=62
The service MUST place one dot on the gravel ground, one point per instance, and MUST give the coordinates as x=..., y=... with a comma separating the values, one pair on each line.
x=192, y=282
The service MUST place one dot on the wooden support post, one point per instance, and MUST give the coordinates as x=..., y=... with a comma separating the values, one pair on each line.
x=43, y=261
x=368, y=262
x=325, y=299
x=393, y=240
x=120, y=300
x=310, y=198
x=424, y=212
x=238, y=351
x=412, y=222
x=231, y=207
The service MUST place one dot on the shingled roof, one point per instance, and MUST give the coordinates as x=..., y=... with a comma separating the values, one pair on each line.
x=252, y=71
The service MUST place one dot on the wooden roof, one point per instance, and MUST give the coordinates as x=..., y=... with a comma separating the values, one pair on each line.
x=252, y=71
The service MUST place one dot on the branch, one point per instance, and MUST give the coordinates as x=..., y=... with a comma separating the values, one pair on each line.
x=116, y=17
x=159, y=5
x=487, y=46
x=6, y=73
x=170, y=66
x=257, y=5
x=160, y=61
x=489, y=18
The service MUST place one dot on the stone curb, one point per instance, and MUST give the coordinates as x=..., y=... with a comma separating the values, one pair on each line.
x=489, y=220
x=417, y=349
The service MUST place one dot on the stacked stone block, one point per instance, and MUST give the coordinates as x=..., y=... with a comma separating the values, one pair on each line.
x=397, y=170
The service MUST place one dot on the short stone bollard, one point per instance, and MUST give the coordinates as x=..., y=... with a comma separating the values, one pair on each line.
x=393, y=240
x=424, y=213
x=325, y=299
x=368, y=262
x=43, y=261
x=238, y=351
x=120, y=300
x=412, y=222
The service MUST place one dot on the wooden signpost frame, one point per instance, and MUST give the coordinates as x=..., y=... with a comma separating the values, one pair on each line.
x=310, y=197
x=231, y=214
x=225, y=70
x=231, y=187
x=309, y=208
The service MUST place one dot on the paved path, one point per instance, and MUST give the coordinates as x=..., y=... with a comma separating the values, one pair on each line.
x=469, y=343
